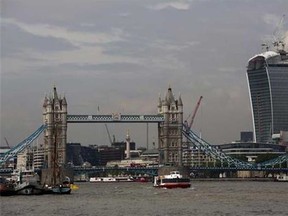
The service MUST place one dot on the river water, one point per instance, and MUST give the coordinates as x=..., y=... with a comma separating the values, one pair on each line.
x=125, y=199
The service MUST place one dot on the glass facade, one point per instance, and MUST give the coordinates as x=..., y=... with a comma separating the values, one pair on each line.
x=267, y=76
x=246, y=136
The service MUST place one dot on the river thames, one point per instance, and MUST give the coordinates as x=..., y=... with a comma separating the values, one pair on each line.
x=125, y=199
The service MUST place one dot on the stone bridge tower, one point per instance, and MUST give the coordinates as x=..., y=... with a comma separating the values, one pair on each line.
x=55, y=136
x=170, y=131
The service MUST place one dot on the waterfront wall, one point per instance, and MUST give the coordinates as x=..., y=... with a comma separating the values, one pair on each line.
x=251, y=174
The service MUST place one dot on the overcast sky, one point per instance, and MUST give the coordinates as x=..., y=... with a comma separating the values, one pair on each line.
x=121, y=54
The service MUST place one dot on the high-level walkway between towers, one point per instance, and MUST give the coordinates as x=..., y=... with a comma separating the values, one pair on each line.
x=114, y=118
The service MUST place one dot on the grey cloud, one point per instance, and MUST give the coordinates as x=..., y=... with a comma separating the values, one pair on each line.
x=178, y=5
x=14, y=40
x=200, y=50
x=118, y=68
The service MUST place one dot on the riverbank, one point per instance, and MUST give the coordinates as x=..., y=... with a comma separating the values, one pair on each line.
x=234, y=179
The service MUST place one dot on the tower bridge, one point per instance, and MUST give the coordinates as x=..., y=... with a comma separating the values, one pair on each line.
x=169, y=119
x=171, y=130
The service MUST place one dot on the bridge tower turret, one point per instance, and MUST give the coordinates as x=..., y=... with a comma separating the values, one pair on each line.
x=55, y=135
x=170, y=131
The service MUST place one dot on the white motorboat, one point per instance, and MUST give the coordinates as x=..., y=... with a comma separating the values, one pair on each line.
x=282, y=178
x=173, y=180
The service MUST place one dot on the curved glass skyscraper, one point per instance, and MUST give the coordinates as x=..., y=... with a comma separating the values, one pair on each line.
x=267, y=76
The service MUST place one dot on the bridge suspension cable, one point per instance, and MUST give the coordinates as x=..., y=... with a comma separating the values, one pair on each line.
x=22, y=145
x=216, y=154
x=275, y=161
x=211, y=150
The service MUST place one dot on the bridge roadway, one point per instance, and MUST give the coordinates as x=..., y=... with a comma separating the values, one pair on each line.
x=154, y=170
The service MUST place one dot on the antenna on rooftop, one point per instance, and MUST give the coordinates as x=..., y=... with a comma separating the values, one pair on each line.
x=265, y=46
x=277, y=39
x=279, y=35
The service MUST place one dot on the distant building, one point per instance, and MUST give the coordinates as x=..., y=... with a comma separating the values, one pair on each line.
x=196, y=157
x=77, y=155
x=246, y=149
x=267, y=75
x=284, y=138
x=25, y=159
x=38, y=157
x=135, y=154
x=122, y=145
x=73, y=151
x=110, y=154
x=246, y=136
x=3, y=150
x=12, y=161
x=90, y=155
x=132, y=163
x=31, y=157
x=251, y=149
x=150, y=154
x=281, y=138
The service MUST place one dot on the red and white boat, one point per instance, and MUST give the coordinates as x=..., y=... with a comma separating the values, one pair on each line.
x=173, y=180
x=142, y=179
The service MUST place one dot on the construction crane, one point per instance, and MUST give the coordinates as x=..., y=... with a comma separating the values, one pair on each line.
x=7, y=142
x=279, y=34
x=277, y=39
x=188, y=127
x=194, y=113
x=110, y=140
x=108, y=133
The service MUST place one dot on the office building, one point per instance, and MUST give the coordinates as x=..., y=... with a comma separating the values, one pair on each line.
x=246, y=136
x=267, y=76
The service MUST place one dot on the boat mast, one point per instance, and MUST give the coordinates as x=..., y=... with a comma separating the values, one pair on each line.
x=54, y=156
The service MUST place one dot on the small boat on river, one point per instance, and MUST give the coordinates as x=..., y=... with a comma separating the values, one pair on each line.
x=22, y=182
x=111, y=179
x=27, y=182
x=142, y=179
x=282, y=178
x=59, y=183
x=64, y=188
x=173, y=180
x=7, y=188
